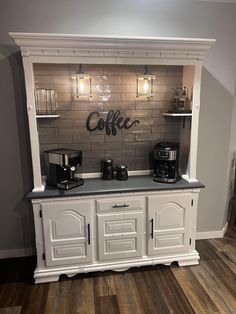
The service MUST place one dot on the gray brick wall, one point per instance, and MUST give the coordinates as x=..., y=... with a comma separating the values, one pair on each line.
x=114, y=87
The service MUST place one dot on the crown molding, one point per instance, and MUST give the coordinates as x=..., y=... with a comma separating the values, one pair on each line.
x=62, y=45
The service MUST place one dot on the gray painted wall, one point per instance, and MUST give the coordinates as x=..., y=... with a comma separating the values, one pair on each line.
x=145, y=18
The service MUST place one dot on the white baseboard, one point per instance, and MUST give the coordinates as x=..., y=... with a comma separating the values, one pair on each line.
x=17, y=252
x=225, y=228
x=212, y=234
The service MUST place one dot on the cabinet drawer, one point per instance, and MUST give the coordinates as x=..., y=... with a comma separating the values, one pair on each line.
x=119, y=203
x=120, y=235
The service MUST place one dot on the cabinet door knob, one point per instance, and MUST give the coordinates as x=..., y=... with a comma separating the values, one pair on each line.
x=89, y=234
x=152, y=226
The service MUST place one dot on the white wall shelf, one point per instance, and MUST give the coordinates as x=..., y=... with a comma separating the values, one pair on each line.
x=168, y=114
x=176, y=114
x=47, y=116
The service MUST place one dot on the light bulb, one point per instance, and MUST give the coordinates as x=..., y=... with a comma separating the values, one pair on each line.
x=81, y=85
x=145, y=86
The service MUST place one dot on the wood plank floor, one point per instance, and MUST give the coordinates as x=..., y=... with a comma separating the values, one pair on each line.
x=206, y=288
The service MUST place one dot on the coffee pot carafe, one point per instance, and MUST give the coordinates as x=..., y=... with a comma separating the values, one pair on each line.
x=107, y=169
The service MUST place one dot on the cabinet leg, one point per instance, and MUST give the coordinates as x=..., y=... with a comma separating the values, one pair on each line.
x=46, y=279
x=120, y=269
x=71, y=275
x=188, y=263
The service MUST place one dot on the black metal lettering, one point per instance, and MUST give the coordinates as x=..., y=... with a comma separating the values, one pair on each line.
x=119, y=123
x=127, y=120
x=101, y=124
x=111, y=123
x=88, y=121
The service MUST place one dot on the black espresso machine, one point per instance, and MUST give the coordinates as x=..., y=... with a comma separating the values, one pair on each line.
x=166, y=162
x=63, y=168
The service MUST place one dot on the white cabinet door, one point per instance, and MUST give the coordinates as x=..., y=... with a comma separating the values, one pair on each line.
x=67, y=232
x=169, y=223
x=120, y=235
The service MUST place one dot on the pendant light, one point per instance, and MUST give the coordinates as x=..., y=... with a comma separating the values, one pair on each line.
x=145, y=84
x=82, y=84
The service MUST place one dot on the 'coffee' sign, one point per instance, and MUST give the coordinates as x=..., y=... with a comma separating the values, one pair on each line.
x=112, y=121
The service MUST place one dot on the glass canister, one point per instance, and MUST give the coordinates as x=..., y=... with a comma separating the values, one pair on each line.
x=45, y=101
x=40, y=101
x=121, y=172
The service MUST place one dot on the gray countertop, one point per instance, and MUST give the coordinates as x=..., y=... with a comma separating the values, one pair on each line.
x=98, y=186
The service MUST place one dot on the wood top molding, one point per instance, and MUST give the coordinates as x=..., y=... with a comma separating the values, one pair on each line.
x=62, y=45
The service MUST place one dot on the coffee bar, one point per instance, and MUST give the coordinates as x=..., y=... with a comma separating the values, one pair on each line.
x=113, y=125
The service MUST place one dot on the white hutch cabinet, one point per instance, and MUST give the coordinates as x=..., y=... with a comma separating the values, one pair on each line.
x=77, y=234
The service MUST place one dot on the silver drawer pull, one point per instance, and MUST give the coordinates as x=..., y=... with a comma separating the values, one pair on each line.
x=120, y=206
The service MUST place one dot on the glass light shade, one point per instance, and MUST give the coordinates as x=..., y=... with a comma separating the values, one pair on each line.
x=145, y=85
x=82, y=85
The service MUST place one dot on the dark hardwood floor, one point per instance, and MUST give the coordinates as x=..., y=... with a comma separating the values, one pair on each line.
x=206, y=288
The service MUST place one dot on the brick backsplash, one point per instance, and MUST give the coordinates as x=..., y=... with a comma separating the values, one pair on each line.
x=114, y=87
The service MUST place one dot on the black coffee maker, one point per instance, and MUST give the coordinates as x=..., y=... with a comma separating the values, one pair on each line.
x=166, y=162
x=63, y=168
